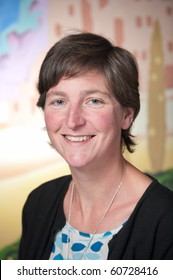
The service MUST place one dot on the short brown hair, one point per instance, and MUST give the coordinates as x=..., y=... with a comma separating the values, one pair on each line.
x=77, y=54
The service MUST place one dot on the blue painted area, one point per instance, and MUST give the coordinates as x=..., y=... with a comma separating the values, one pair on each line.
x=96, y=246
x=53, y=248
x=9, y=10
x=58, y=257
x=107, y=233
x=93, y=256
x=84, y=234
x=17, y=18
x=77, y=247
x=65, y=238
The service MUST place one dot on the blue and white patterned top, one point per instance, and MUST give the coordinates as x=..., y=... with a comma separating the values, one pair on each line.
x=72, y=244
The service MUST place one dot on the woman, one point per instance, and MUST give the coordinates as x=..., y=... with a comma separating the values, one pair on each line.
x=106, y=208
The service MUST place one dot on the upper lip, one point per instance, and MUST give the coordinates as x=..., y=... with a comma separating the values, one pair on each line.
x=79, y=137
x=82, y=135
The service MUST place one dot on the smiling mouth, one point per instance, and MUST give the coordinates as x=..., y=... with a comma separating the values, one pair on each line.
x=78, y=138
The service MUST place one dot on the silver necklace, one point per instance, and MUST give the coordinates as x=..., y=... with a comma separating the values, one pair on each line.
x=102, y=218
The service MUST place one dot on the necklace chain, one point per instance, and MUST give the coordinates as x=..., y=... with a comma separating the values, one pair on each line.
x=102, y=218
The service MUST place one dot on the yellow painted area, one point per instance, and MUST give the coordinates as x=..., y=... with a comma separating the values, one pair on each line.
x=140, y=158
x=13, y=193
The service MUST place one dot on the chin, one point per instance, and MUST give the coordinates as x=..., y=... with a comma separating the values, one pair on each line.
x=77, y=163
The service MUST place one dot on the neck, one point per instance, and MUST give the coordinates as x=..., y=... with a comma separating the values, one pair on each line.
x=96, y=184
x=93, y=209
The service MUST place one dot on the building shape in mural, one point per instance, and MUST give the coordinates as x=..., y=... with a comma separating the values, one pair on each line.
x=156, y=100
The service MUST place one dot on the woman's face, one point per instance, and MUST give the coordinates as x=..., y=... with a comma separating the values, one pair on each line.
x=84, y=120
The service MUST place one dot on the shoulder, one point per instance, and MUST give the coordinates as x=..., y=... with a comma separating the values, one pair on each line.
x=157, y=198
x=160, y=191
x=154, y=212
x=49, y=191
x=55, y=185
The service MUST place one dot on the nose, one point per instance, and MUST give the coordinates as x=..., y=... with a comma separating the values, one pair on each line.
x=75, y=117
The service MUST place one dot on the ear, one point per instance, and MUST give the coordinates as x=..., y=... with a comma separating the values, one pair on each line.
x=128, y=118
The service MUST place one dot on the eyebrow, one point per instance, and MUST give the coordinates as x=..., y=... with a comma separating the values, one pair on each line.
x=106, y=93
x=52, y=93
x=86, y=92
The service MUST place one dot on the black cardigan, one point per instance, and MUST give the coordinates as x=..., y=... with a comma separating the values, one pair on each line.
x=148, y=233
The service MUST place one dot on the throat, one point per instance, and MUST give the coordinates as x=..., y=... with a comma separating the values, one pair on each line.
x=103, y=211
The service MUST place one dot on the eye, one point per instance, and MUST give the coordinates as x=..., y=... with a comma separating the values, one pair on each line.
x=58, y=102
x=95, y=102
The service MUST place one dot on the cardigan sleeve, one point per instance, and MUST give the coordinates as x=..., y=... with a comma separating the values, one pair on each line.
x=163, y=246
x=27, y=225
x=42, y=215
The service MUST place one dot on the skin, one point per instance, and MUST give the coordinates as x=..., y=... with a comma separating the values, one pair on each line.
x=84, y=123
x=82, y=106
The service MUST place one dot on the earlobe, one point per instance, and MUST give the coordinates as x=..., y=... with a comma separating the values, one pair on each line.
x=128, y=117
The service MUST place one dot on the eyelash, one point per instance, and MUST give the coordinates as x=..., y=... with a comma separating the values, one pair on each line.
x=95, y=101
x=91, y=102
x=58, y=102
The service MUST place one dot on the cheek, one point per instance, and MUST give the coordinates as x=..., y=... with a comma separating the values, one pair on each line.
x=105, y=121
x=51, y=120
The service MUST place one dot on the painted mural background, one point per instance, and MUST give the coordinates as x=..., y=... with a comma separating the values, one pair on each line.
x=27, y=30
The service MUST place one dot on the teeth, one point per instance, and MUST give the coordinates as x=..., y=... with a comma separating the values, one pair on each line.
x=77, y=139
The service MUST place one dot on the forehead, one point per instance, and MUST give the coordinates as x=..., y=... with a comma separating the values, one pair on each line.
x=91, y=81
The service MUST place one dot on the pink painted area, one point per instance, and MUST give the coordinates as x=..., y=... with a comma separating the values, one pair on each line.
x=169, y=76
x=103, y=3
x=86, y=15
x=58, y=29
x=15, y=67
x=118, y=23
x=71, y=10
